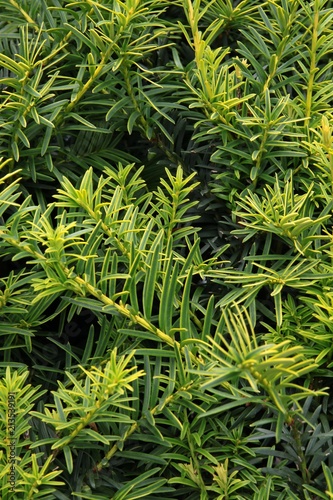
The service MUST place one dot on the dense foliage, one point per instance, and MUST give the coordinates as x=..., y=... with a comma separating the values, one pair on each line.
x=166, y=249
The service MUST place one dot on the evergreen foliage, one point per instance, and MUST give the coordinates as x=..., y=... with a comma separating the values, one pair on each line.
x=166, y=249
